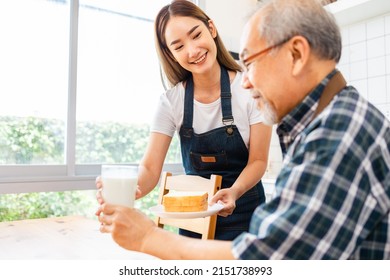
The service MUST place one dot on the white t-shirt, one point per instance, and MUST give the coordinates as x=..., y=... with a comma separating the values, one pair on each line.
x=169, y=113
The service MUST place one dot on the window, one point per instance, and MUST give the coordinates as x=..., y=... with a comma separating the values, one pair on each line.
x=81, y=80
x=118, y=80
x=34, y=70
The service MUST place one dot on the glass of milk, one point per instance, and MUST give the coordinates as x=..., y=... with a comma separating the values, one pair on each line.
x=119, y=184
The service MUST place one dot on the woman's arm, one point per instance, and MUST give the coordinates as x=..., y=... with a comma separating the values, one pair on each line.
x=259, y=142
x=151, y=164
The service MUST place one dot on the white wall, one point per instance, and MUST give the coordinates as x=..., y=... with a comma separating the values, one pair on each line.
x=365, y=60
x=230, y=17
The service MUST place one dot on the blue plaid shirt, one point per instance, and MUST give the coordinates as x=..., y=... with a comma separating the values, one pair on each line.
x=333, y=192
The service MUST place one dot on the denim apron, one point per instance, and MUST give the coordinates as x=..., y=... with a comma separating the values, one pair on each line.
x=219, y=151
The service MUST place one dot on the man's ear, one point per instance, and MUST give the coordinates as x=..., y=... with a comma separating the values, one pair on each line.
x=300, y=52
x=213, y=29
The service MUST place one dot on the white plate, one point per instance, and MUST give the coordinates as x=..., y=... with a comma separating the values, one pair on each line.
x=158, y=210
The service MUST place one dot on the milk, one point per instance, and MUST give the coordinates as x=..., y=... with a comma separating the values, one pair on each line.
x=119, y=191
x=119, y=184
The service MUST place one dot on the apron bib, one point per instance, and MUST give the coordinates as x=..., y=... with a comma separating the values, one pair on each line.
x=220, y=151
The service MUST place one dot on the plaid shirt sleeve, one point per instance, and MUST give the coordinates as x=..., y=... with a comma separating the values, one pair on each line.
x=333, y=192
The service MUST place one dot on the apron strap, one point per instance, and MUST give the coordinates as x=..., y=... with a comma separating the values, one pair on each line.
x=226, y=98
x=188, y=107
x=226, y=104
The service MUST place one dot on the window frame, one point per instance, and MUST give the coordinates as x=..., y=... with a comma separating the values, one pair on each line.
x=69, y=176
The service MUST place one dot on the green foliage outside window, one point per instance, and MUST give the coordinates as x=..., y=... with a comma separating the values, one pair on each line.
x=54, y=204
x=41, y=141
x=46, y=204
x=31, y=140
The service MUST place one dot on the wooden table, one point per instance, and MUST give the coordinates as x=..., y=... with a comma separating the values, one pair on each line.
x=73, y=237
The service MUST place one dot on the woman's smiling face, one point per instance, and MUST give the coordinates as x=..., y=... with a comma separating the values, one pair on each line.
x=191, y=43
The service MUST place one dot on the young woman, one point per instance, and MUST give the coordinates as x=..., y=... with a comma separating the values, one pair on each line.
x=219, y=126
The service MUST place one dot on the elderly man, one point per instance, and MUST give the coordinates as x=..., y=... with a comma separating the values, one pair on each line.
x=333, y=191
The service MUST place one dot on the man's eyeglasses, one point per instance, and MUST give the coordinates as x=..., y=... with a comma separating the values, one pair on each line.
x=247, y=61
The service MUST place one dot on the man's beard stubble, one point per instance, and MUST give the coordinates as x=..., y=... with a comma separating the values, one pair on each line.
x=267, y=110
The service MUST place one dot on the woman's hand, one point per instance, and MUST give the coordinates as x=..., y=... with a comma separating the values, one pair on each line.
x=227, y=198
x=128, y=226
x=99, y=186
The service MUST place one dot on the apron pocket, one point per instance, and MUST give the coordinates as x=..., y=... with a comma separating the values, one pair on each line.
x=213, y=162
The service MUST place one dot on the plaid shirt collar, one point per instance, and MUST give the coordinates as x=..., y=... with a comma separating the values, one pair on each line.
x=301, y=116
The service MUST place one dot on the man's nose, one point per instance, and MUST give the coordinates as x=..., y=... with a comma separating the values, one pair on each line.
x=245, y=83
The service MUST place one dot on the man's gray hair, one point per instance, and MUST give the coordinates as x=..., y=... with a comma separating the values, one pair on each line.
x=283, y=19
